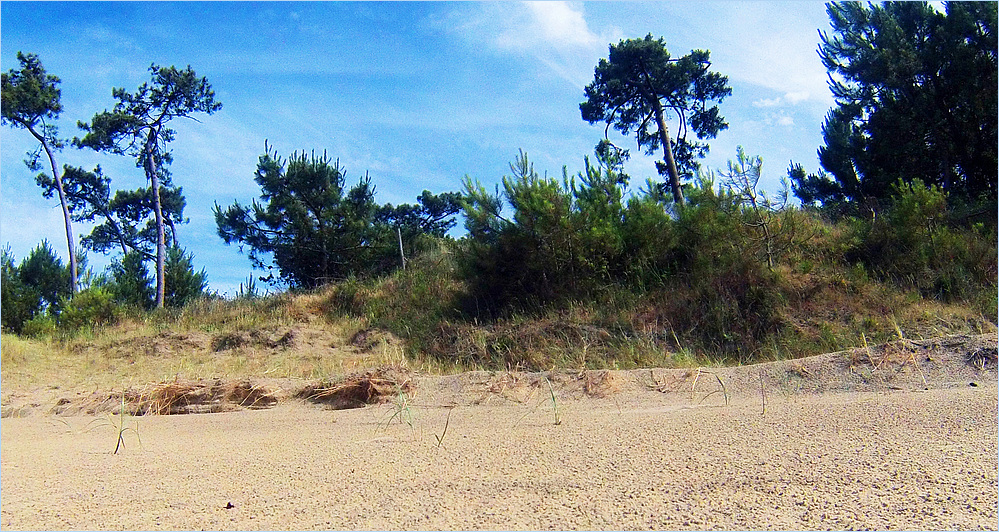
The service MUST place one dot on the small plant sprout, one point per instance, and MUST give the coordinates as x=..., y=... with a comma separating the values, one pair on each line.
x=724, y=390
x=551, y=390
x=119, y=424
x=898, y=328
x=763, y=392
x=401, y=410
x=440, y=437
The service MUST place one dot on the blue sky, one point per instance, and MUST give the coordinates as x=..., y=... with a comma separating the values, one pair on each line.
x=415, y=94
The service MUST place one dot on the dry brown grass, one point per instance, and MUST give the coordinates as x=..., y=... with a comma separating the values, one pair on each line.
x=602, y=383
x=983, y=358
x=198, y=397
x=135, y=353
x=890, y=355
x=174, y=397
x=360, y=389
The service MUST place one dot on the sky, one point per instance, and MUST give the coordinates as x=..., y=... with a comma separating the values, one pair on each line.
x=415, y=94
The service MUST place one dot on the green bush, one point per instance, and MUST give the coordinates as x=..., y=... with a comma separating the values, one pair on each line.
x=92, y=307
x=573, y=275
x=183, y=284
x=410, y=303
x=40, y=326
x=648, y=236
x=565, y=239
x=575, y=241
x=130, y=283
x=915, y=244
x=33, y=287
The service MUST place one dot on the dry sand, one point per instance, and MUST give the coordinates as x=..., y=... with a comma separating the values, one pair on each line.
x=895, y=439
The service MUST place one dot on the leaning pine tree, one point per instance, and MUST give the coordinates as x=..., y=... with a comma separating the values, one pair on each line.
x=30, y=100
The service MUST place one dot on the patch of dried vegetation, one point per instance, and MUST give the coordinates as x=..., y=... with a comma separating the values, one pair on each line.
x=359, y=389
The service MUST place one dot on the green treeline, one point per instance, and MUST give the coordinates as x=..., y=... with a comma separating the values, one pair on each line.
x=896, y=230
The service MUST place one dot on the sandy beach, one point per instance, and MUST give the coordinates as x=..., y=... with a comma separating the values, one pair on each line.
x=834, y=450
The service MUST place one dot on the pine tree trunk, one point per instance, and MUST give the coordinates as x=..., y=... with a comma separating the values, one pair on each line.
x=65, y=213
x=674, y=175
x=154, y=178
x=160, y=246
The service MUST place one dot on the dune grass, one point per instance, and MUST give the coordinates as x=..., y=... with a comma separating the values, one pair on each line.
x=427, y=319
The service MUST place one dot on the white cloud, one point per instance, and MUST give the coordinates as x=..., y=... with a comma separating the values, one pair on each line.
x=796, y=97
x=765, y=44
x=767, y=102
x=555, y=34
x=779, y=118
x=551, y=23
x=791, y=98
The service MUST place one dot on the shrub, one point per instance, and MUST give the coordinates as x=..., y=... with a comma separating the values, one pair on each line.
x=565, y=239
x=183, y=284
x=914, y=244
x=92, y=307
x=130, y=283
x=40, y=326
x=33, y=287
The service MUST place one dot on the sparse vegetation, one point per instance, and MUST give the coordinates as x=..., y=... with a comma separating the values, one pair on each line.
x=551, y=391
x=119, y=422
x=447, y=422
x=401, y=409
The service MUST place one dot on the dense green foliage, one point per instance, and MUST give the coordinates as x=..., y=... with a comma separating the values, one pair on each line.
x=31, y=96
x=734, y=272
x=639, y=83
x=36, y=298
x=564, y=240
x=916, y=244
x=916, y=99
x=36, y=285
x=92, y=307
x=184, y=284
x=316, y=230
x=129, y=281
x=574, y=238
x=128, y=284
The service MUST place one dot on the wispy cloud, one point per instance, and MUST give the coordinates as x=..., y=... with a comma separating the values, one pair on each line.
x=764, y=44
x=768, y=102
x=791, y=98
x=554, y=34
x=783, y=120
x=547, y=24
x=796, y=97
